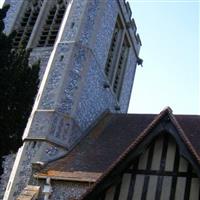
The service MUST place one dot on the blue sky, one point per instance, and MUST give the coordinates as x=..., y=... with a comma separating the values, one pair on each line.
x=169, y=30
x=1, y=2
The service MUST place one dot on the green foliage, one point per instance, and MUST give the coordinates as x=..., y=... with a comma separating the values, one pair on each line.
x=18, y=87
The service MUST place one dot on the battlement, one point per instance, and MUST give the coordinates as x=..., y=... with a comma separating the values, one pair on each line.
x=127, y=6
x=130, y=23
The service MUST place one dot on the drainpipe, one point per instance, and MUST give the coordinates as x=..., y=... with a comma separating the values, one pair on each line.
x=47, y=189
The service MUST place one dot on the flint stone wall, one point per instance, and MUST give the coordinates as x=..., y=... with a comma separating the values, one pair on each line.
x=63, y=190
x=7, y=166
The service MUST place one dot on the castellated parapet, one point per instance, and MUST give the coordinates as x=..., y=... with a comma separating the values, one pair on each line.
x=75, y=88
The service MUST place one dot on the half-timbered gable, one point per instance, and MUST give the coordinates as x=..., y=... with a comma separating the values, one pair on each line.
x=161, y=163
x=159, y=173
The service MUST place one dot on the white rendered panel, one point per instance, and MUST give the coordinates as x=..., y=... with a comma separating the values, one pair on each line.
x=166, y=188
x=138, y=187
x=171, y=151
x=151, y=192
x=180, y=188
x=157, y=154
x=183, y=165
x=125, y=186
x=143, y=160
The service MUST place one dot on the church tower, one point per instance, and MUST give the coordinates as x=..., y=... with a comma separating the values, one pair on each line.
x=89, y=52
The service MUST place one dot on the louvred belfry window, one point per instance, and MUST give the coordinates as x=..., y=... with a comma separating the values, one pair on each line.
x=120, y=68
x=112, y=52
x=27, y=23
x=117, y=57
x=52, y=24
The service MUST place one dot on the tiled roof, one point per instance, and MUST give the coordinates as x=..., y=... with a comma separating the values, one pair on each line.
x=114, y=134
x=104, y=144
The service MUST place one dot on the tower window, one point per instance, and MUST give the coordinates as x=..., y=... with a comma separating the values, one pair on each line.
x=117, y=57
x=117, y=82
x=27, y=23
x=52, y=24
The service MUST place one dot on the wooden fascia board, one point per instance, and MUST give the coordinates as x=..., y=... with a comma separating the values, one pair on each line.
x=77, y=176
